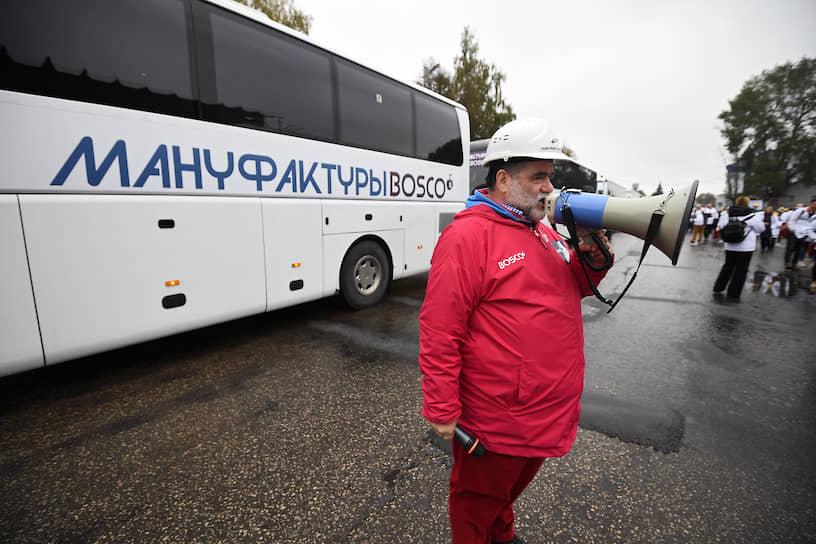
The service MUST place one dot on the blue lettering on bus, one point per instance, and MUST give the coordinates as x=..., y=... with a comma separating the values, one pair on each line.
x=220, y=175
x=258, y=175
x=92, y=174
x=308, y=179
x=360, y=173
x=299, y=176
x=329, y=168
x=374, y=180
x=289, y=176
x=345, y=183
x=179, y=167
x=150, y=169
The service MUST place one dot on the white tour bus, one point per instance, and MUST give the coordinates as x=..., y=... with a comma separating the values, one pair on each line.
x=171, y=164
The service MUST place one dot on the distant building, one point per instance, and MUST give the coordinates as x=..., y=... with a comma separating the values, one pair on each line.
x=608, y=187
x=795, y=193
x=722, y=201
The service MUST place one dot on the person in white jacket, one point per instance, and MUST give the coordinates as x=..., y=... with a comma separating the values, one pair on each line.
x=776, y=226
x=699, y=226
x=738, y=254
x=768, y=237
x=711, y=215
x=788, y=235
x=800, y=224
x=811, y=234
x=783, y=220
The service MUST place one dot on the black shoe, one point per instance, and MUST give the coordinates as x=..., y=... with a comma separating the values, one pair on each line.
x=516, y=540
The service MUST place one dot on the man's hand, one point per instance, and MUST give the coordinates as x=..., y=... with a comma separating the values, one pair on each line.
x=445, y=430
x=587, y=244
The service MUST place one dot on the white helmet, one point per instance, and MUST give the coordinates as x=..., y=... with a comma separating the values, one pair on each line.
x=524, y=138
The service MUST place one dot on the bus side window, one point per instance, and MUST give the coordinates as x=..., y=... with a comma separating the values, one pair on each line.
x=258, y=77
x=438, y=134
x=133, y=54
x=375, y=112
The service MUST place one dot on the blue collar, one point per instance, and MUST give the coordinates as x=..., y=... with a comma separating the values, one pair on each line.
x=505, y=210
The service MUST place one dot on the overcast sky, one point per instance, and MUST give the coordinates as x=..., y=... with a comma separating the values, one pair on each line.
x=634, y=87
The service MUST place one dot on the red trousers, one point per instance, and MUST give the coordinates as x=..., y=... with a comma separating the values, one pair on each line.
x=482, y=493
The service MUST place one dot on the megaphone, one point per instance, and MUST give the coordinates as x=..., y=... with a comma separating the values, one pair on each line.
x=629, y=215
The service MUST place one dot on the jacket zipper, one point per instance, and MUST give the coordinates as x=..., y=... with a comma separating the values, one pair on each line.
x=542, y=237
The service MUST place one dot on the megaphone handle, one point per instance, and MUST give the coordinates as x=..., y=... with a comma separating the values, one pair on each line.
x=608, y=259
x=569, y=221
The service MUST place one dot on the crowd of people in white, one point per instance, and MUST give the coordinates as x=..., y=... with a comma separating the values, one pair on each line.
x=794, y=227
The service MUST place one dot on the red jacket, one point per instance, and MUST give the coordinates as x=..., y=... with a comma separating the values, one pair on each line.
x=501, y=334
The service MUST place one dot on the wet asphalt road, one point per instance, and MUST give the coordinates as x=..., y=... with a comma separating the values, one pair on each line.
x=303, y=425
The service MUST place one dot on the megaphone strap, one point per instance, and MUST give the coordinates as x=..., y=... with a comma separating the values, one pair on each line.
x=654, y=226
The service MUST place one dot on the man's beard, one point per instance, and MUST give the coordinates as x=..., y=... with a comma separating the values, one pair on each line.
x=525, y=202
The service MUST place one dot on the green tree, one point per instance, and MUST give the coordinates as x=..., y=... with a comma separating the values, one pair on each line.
x=475, y=84
x=770, y=128
x=436, y=78
x=706, y=198
x=282, y=11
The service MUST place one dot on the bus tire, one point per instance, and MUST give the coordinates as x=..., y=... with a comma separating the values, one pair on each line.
x=364, y=275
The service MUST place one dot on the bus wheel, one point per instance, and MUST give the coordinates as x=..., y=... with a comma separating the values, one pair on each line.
x=364, y=275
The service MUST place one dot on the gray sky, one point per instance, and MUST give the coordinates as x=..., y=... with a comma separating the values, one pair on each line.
x=634, y=87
